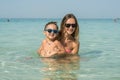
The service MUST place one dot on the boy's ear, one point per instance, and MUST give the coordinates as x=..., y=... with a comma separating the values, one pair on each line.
x=44, y=32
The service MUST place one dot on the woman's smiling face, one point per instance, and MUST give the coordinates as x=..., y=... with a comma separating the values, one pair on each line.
x=70, y=26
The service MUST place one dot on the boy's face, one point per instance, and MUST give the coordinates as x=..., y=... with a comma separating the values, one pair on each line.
x=51, y=31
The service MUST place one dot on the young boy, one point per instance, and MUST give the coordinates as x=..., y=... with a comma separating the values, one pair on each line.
x=50, y=46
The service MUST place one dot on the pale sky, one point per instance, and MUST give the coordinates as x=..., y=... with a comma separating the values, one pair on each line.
x=58, y=8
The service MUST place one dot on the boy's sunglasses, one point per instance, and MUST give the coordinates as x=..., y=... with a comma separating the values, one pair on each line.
x=51, y=30
x=72, y=25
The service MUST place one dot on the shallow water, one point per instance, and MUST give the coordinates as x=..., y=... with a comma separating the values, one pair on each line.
x=99, y=52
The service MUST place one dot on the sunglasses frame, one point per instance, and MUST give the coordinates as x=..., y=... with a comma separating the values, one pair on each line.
x=72, y=25
x=52, y=31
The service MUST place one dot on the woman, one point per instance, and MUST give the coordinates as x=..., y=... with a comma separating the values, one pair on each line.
x=69, y=34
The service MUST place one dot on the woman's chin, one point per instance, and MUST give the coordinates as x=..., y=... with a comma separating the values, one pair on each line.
x=69, y=32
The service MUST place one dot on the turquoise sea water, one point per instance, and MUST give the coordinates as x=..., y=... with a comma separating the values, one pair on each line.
x=99, y=51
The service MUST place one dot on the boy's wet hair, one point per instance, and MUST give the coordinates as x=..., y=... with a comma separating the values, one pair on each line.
x=52, y=22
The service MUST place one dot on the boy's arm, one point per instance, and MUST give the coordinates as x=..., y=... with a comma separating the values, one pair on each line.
x=44, y=51
x=40, y=51
x=60, y=49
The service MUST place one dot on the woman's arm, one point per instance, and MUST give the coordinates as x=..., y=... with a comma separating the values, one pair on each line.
x=75, y=48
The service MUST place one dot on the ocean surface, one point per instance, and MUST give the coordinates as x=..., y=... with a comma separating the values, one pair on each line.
x=99, y=51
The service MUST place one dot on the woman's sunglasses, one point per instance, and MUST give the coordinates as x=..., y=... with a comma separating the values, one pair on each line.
x=72, y=25
x=52, y=30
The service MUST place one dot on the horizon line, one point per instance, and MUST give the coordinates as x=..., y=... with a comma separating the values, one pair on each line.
x=48, y=18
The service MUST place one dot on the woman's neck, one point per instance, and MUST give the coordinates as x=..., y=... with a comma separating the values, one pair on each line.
x=68, y=37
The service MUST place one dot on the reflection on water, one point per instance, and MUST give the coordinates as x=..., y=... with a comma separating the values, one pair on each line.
x=61, y=69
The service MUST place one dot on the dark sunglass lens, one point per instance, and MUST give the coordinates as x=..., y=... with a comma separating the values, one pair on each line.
x=67, y=25
x=73, y=25
x=55, y=31
x=49, y=30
